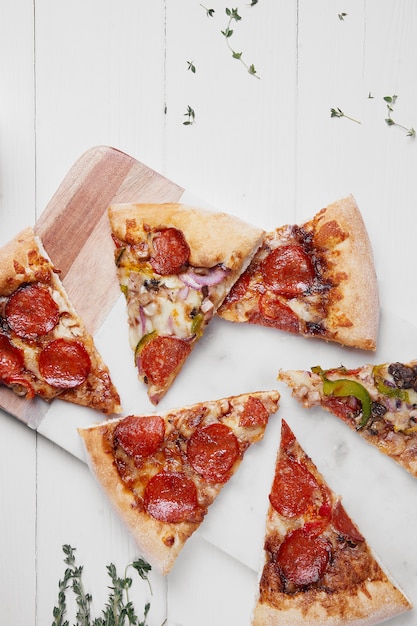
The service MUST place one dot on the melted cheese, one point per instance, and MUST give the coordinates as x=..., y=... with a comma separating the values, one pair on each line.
x=169, y=307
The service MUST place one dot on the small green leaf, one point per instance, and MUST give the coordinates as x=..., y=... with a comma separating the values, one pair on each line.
x=209, y=12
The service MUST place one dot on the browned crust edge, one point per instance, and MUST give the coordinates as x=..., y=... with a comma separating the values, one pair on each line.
x=354, y=318
x=213, y=237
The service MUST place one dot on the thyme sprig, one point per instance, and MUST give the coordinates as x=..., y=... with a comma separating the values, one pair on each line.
x=339, y=113
x=391, y=100
x=233, y=15
x=118, y=608
x=209, y=12
x=190, y=115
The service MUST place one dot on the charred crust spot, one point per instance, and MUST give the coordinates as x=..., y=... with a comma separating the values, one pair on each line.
x=315, y=329
x=169, y=541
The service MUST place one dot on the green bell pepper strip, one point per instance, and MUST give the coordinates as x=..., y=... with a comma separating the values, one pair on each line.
x=142, y=342
x=391, y=392
x=344, y=387
x=197, y=324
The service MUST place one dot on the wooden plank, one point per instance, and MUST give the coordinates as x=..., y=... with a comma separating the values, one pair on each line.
x=75, y=231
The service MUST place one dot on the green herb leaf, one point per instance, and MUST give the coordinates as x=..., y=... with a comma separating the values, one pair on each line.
x=233, y=14
x=391, y=100
x=339, y=113
x=118, y=607
x=209, y=12
x=191, y=116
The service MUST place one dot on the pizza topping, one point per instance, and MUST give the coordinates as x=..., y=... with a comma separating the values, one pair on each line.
x=171, y=252
x=212, y=451
x=273, y=308
x=254, y=413
x=288, y=270
x=273, y=312
x=294, y=488
x=140, y=436
x=345, y=387
x=64, y=363
x=198, y=279
x=11, y=359
x=170, y=497
x=402, y=379
x=404, y=376
x=303, y=557
x=344, y=525
x=161, y=356
x=31, y=311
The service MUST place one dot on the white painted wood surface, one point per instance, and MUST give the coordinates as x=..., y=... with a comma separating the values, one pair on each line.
x=74, y=74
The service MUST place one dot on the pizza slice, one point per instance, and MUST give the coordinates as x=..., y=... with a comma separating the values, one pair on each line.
x=318, y=568
x=316, y=279
x=162, y=471
x=379, y=402
x=175, y=265
x=45, y=349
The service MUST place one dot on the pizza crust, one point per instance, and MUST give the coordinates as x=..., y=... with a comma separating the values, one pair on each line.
x=147, y=532
x=367, y=599
x=17, y=259
x=373, y=603
x=24, y=260
x=353, y=316
x=161, y=542
x=214, y=237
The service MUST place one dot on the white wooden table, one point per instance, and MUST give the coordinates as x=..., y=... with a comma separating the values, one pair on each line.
x=80, y=73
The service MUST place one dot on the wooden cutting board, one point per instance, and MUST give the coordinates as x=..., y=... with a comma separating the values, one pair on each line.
x=75, y=231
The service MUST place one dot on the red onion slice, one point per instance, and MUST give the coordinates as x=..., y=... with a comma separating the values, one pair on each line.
x=196, y=281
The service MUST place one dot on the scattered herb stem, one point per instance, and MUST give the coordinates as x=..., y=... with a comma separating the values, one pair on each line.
x=209, y=12
x=339, y=113
x=391, y=100
x=190, y=115
x=233, y=15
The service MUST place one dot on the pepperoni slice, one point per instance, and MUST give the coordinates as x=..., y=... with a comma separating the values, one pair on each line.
x=162, y=356
x=288, y=270
x=345, y=408
x=11, y=359
x=239, y=289
x=140, y=436
x=64, y=363
x=212, y=450
x=254, y=413
x=293, y=489
x=302, y=558
x=170, y=497
x=277, y=314
x=31, y=311
x=344, y=525
x=171, y=252
x=287, y=437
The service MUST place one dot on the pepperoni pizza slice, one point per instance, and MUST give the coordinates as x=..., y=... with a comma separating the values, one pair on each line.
x=318, y=568
x=379, y=402
x=162, y=471
x=316, y=280
x=45, y=348
x=175, y=265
